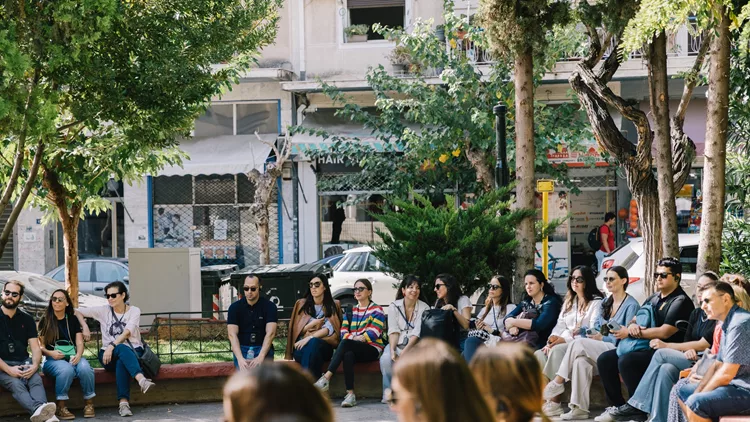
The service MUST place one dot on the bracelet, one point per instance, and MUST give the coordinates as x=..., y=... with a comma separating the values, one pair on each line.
x=112, y=343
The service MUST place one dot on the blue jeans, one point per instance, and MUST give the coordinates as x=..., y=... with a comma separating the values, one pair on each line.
x=312, y=357
x=386, y=368
x=728, y=400
x=124, y=364
x=256, y=352
x=471, y=345
x=652, y=394
x=64, y=373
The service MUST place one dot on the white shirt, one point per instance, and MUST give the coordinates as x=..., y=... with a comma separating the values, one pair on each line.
x=111, y=328
x=397, y=322
x=569, y=322
x=495, y=319
x=463, y=303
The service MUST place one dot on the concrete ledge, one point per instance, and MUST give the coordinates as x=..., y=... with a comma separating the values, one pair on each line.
x=173, y=385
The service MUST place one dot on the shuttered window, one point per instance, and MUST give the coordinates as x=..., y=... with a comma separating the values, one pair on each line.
x=368, y=4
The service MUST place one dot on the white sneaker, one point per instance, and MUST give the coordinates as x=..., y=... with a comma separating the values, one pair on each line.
x=125, y=409
x=575, y=413
x=553, y=390
x=551, y=409
x=322, y=384
x=44, y=412
x=606, y=417
x=53, y=419
x=145, y=384
x=349, y=401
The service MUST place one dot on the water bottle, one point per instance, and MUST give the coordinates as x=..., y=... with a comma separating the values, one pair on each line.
x=250, y=355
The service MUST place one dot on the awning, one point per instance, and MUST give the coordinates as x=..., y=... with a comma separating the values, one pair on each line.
x=223, y=155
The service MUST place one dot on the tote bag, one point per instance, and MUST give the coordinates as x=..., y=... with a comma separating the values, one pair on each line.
x=437, y=323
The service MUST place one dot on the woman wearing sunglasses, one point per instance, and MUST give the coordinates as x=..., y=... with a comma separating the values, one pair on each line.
x=62, y=339
x=404, y=326
x=450, y=298
x=579, y=362
x=361, y=340
x=490, y=318
x=121, y=341
x=314, y=327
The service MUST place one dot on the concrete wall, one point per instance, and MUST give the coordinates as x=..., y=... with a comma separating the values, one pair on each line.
x=308, y=214
x=33, y=251
x=135, y=197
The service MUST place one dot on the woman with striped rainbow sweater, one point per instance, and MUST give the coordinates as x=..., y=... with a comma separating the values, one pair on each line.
x=360, y=340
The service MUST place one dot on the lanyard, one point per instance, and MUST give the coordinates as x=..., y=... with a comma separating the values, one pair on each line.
x=409, y=323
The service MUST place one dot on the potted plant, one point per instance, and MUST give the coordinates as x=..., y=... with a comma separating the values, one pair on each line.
x=440, y=32
x=356, y=33
x=400, y=58
x=395, y=35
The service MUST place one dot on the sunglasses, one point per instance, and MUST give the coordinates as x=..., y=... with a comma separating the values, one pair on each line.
x=111, y=296
x=252, y=289
x=315, y=284
x=360, y=289
x=662, y=275
x=577, y=279
x=609, y=279
x=438, y=286
x=494, y=287
x=59, y=299
x=11, y=294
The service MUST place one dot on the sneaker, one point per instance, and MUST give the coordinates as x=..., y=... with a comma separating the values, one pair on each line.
x=552, y=408
x=322, y=384
x=349, y=401
x=44, y=412
x=145, y=384
x=53, y=419
x=607, y=415
x=88, y=411
x=627, y=412
x=575, y=413
x=125, y=409
x=553, y=390
x=64, y=414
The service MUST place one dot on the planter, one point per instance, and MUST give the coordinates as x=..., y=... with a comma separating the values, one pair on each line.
x=356, y=38
x=400, y=69
x=440, y=32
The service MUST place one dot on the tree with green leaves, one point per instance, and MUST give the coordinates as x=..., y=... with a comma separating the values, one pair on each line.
x=472, y=243
x=102, y=89
x=605, y=23
x=519, y=30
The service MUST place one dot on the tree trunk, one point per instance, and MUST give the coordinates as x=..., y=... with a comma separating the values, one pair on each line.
x=525, y=157
x=712, y=217
x=70, y=242
x=648, y=200
x=265, y=247
x=659, y=96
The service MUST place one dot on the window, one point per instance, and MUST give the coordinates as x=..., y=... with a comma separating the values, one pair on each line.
x=217, y=121
x=108, y=272
x=352, y=262
x=238, y=119
x=385, y=12
x=260, y=117
x=689, y=259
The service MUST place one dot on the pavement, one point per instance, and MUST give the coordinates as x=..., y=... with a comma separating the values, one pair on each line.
x=366, y=411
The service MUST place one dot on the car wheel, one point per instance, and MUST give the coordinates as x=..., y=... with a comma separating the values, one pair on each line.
x=347, y=302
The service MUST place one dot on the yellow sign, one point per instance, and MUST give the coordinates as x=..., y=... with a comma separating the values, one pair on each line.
x=545, y=185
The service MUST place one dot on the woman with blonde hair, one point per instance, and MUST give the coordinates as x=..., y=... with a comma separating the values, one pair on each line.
x=274, y=392
x=432, y=383
x=510, y=378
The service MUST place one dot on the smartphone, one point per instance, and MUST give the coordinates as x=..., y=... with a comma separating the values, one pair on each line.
x=614, y=326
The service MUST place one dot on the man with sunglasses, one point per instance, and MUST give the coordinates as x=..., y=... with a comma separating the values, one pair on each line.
x=251, y=326
x=18, y=373
x=670, y=304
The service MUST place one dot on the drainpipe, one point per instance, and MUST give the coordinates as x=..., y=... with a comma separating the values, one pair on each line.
x=301, y=113
x=301, y=12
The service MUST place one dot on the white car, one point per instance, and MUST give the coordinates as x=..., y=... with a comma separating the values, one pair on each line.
x=361, y=263
x=630, y=255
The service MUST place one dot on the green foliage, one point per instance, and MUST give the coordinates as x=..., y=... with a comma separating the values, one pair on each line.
x=735, y=245
x=356, y=30
x=438, y=131
x=108, y=87
x=472, y=243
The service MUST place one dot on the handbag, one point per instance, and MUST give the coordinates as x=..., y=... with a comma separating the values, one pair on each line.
x=149, y=361
x=66, y=346
x=531, y=338
x=437, y=323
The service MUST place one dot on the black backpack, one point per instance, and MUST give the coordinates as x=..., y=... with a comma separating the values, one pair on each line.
x=594, y=242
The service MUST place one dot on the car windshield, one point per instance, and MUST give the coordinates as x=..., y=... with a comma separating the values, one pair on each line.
x=352, y=261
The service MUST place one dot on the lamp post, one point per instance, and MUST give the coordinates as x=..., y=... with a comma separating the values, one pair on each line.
x=501, y=168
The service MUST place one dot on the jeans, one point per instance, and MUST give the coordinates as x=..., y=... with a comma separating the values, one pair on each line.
x=631, y=367
x=29, y=393
x=350, y=352
x=124, y=363
x=727, y=400
x=652, y=394
x=313, y=355
x=256, y=352
x=64, y=373
x=471, y=345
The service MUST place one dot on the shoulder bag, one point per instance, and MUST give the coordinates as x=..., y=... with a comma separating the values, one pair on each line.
x=440, y=324
x=66, y=346
x=149, y=361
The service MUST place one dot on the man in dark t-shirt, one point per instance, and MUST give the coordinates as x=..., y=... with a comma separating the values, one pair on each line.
x=670, y=304
x=18, y=373
x=251, y=325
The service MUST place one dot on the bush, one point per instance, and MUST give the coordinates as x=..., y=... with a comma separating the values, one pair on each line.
x=356, y=30
x=735, y=245
x=472, y=243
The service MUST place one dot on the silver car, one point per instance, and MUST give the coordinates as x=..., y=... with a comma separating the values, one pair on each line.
x=95, y=274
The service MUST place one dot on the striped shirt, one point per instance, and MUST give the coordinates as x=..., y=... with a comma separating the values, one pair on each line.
x=368, y=322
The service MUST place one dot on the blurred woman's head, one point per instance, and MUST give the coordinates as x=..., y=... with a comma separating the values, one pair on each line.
x=432, y=383
x=447, y=290
x=409, y=288
x=272, y=392
x=511, y=380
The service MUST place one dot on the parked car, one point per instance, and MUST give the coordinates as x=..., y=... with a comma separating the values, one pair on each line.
x=39, y=288
x=95, y=274
x=362, y=263
x=630, y=255
x=330, y=260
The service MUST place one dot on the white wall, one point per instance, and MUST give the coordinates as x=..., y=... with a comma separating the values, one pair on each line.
x=33, y=253
x=308, y=214
x=135, y=197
